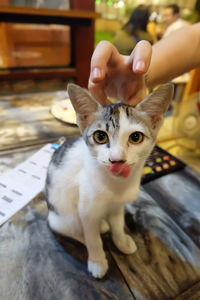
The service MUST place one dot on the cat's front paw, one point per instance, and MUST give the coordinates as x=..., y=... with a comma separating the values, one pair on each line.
x=98, y=269
x=126, y=244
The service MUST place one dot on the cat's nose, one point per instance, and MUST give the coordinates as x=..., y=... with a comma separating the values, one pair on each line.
x=117, y=161
x=117, y=155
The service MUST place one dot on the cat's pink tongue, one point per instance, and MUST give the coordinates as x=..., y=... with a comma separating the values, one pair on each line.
x=120, y=169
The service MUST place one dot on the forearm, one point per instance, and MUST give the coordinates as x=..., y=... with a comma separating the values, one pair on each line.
x=175, y=55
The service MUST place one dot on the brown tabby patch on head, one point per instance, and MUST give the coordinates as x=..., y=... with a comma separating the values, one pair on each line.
x=111, y=114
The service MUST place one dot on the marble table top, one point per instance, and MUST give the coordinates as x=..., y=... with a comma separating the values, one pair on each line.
x=37, y=264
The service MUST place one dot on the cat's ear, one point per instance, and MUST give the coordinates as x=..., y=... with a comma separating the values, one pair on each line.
x=84, y=105
x=156, y=104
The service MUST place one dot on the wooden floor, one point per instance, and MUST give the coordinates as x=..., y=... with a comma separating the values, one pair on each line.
x=164, y=222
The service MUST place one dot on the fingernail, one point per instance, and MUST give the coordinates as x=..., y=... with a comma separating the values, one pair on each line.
x=139, y=66
x=96, y=73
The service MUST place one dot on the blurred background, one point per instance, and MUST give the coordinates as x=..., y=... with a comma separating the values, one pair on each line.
x=47, y=43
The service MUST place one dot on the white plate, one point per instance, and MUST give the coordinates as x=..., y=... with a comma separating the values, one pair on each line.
x=64, y=111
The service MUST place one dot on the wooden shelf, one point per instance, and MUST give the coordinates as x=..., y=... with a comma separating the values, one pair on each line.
x=20, y=13
x=49, y=12
x=38, y=73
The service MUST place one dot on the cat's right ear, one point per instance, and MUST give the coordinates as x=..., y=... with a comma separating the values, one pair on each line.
x=156, y=104
x=84, y=105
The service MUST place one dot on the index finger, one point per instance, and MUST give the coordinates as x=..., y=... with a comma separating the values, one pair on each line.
x=104, y=52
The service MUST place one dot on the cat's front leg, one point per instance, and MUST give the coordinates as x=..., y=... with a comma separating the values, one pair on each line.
x=122, y=241
x=97, y=262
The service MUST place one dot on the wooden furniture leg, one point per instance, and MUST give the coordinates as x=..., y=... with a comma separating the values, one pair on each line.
x=82, y=48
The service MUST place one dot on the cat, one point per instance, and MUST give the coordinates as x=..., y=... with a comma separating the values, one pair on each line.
x=90, y=179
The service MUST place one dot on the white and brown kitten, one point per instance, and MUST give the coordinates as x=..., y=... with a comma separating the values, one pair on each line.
x=91, y=179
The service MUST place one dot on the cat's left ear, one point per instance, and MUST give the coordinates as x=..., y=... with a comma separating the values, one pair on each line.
x=156, y=104
x=83, y=103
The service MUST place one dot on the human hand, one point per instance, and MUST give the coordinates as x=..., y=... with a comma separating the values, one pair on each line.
x=118, y=76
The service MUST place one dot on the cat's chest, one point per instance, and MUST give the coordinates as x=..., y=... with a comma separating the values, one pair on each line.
x=126, y=195
x=116, y=193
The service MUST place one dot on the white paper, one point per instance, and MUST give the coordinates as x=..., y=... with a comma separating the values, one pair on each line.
x=20, y=185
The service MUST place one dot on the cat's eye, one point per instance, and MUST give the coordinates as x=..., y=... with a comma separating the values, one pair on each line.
x=100, y=137
x=136, y=137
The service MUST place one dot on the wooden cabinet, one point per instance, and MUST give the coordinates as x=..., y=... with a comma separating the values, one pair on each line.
x=81, y=24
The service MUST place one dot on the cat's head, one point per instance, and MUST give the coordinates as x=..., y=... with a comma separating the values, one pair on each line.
x=120, y=136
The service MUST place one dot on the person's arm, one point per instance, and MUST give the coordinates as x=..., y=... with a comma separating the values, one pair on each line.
x=174, y=55
x=121, y=77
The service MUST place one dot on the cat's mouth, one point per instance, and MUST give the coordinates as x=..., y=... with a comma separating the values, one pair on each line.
x=120, y=169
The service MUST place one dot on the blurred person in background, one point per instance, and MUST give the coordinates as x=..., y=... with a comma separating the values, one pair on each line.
x=172, y=20
x=154, y=26
x=133, y=31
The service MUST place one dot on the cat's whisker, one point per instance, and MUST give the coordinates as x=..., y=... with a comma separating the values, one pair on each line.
x=105, y=163
x=144, y=156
